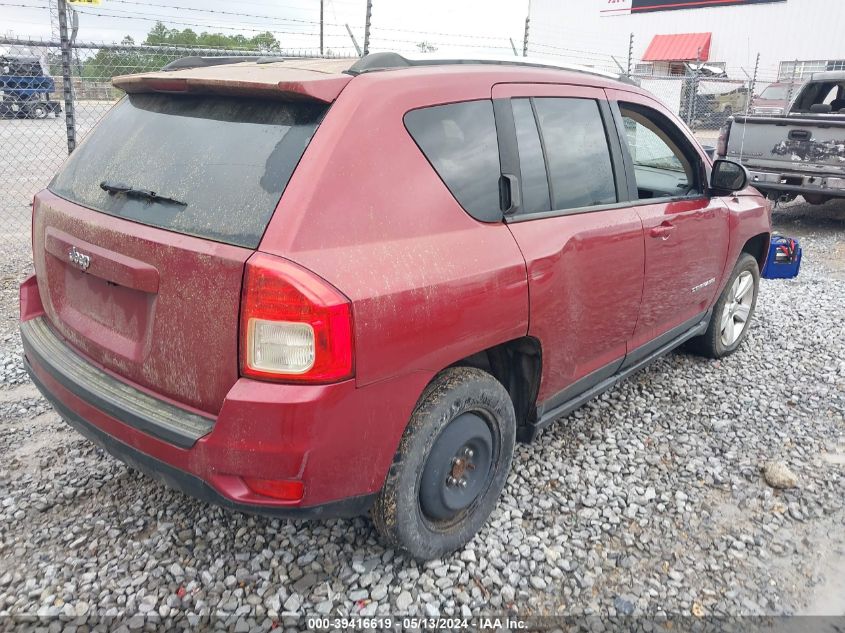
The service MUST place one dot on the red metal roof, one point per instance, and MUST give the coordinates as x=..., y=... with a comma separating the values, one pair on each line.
x=678, y=47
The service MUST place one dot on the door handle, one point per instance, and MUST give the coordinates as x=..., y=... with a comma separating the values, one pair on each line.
x=663, y=231
x=509, y=187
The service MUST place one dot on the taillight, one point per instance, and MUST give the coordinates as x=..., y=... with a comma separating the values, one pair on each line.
x=722, y=142
x=295, y=326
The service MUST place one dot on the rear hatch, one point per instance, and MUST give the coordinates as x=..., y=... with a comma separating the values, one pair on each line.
x=146, y=284
x=812, y=144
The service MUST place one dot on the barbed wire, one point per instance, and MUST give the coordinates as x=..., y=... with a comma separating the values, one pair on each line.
x=441, y=33
x=223, y=12
x=88, y=11
x=376, y=37
x=24, y=6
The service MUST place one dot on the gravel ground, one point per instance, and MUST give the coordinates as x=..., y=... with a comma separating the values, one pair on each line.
x=649, y=500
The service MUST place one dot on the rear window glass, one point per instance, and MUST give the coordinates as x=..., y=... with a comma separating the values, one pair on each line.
x=222, y=161
x=775, y=92
x=577, y=152
x=459, y=140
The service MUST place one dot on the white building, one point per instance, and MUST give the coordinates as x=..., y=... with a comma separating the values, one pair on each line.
x=667, y=33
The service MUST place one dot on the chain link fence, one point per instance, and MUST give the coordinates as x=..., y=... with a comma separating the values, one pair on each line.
x=39, y=122
x=703, y=103
x=35, y=125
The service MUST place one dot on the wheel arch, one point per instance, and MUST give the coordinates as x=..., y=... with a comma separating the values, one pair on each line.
x=517, y=364
x=758, y=247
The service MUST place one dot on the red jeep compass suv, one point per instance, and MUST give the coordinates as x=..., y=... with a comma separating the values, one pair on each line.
x=316, y=288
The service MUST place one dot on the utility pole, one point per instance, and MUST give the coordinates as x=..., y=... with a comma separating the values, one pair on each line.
x=630, y=53
x=354, y=41
x=525, y=37
x=67, y=86
x=513, y=46
x=367, y=27
x=321, y=27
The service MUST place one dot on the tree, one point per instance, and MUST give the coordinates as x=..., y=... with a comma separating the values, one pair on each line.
x=158, y=34
x=426, y=47
x=161, y=35
x=106, y=64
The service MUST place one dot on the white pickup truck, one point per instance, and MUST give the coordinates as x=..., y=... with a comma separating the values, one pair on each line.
x=800, y=153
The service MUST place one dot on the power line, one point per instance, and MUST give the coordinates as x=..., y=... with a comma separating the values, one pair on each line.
x=87, y=11
x=23, y=6
x=570, y=50
x=212, y=24
x=164, y=18
x=475, y=37
x=388, y=39
x=221, y=12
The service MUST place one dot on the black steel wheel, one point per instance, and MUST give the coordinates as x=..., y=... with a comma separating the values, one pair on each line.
x=458, y=468
x=451, y=465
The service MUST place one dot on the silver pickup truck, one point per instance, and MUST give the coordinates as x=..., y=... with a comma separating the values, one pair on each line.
x=801, y=153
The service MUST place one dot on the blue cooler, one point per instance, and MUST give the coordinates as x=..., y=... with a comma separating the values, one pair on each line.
x=784, y=258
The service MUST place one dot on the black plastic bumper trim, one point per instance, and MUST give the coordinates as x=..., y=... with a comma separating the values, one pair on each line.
x=108, y=394
x=653, y=350
x=191, y=484
x=799, y=189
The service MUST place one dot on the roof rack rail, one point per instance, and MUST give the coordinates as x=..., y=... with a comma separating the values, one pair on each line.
x=196, y=61
x=389, y=60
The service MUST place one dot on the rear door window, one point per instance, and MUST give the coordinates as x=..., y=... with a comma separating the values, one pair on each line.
x=459, y=140
x=225, y=161
x=577, y=152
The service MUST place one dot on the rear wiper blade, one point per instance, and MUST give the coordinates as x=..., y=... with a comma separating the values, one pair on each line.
x=140, y=194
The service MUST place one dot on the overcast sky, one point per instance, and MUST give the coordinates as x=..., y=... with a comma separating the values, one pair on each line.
x=396, y=24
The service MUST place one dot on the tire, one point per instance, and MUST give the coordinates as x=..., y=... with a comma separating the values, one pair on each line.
x=717, y=342
x=815, y=198
x=38, y=112
x=463, y=426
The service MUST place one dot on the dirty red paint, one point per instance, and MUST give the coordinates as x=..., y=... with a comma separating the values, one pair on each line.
x=428, y=286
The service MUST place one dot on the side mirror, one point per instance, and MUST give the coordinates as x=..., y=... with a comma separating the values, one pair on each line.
x=728, y=176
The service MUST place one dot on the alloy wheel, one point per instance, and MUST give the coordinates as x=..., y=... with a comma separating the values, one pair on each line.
x=737, y=309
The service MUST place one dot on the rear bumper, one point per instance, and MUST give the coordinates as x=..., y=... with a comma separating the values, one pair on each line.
x=132, y=406
x=795, y=182
x=186, y=482
x=338, y=440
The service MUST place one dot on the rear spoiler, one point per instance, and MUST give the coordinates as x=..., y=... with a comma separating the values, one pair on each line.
x=271, y=79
